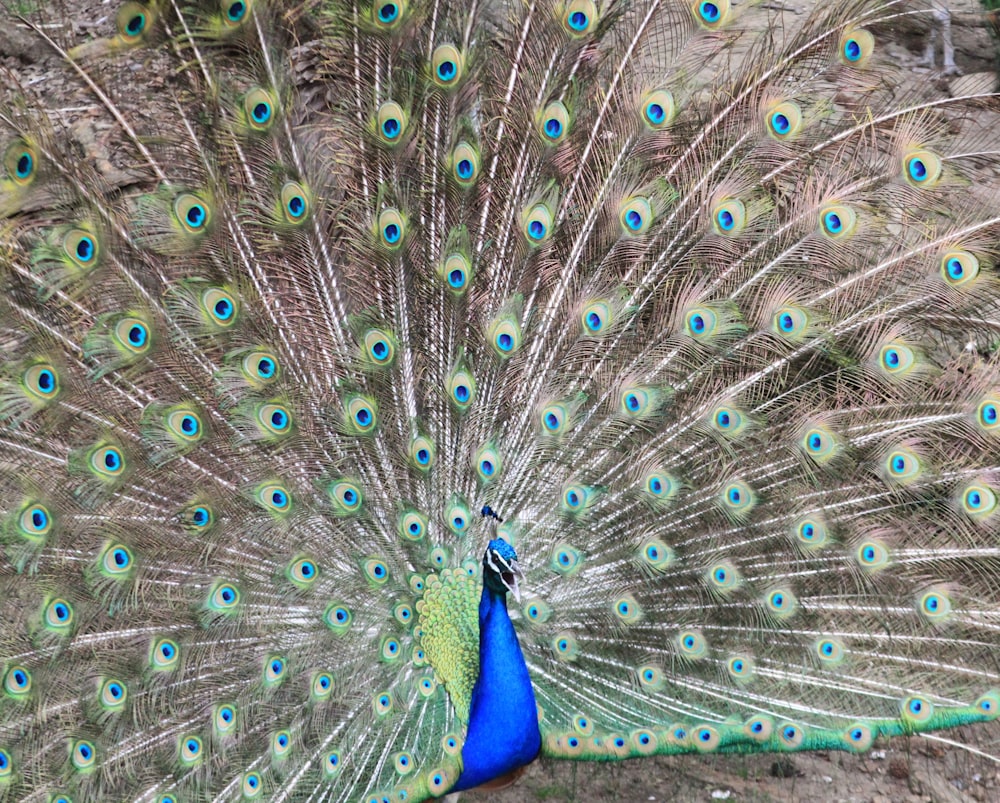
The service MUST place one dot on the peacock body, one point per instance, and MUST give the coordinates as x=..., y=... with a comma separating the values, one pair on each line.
x=323, y=322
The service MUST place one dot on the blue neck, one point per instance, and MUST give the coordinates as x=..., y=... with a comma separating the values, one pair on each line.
x=503, y=722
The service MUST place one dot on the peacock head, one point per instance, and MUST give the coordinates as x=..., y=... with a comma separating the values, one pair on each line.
x=500, y=568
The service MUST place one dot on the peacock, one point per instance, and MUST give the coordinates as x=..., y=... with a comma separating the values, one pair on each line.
x=396, y=391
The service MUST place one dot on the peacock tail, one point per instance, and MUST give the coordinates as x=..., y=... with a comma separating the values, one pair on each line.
x=322, y=322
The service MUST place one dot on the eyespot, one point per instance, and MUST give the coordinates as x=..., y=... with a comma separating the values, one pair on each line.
x=190, y=750
x=759, y=728
x=553, y=123
x=537, y=224
x=223, y=597
x=185, y=425
x=655, y=554
x=565, y=559
x=465, y=164
x=858, y=737
x=338, y=618
x=387, y=14
x=275, y=498
x=403, y=613
x=133, y=335
x=658, y=109
x=258, y=110
x=810, y=533
x=331, y=764
x=872, y=556
x=457, y=517
x=504, y=335
x=456, y=273
x=303, y=572
x=295, y=203
x=253, y=786
x=107, y=461
x=382, y=703
x=275, y=669
x=439, y=781
x=856, y=47
x=738, y=498
x=17, y=681
x=741, y=668
x=20, y=162
x=58, y=615
x=729, y=217
x=487, y=463
x=275, y=419
x=537, y=611
x=391, y=228
x=198, y=518
x=723, y=577
x=790, y=735
x=902, y=466
x=635, y=215
x=700, y=323
x=959, y=268
x=322, y=685
x=391, y=650
x=790, y=322
x=988, y=705
x=82, y=754
x=260, y=367
x=447, y=65
x=820, y=444
x=784, y=121
x=380, y=347
x=579, y=18
x=829, y=651
x=281, y=744
x=422, y=453
x=113, y=695
x=427, y=685
x=711, y=14
x=627, y=609
x=781, y=603
x=979, y=502
x=376, y=570
x=651, y=677
x=597, y=317
x=461, y=389
x=553, y=419
x=192, y=213
x=6, y=765
x=727, y=420
x=224, y=718
x=362, y=414
x=34, y=521
x=705, y=738
x=82, y=248
x=934, y=604
x=220, y=307
x=987, y=415
x=565, y=647
x=116, y=560
x=234, y=11
x=916, y=709
x=412, y=525
x=691, y=644
x=896, y=359
x=577, y=498
x=837, y=221
x=635, y=401
x=164, y=654
x=921, y=168
x=659, y=486
x=391, y=122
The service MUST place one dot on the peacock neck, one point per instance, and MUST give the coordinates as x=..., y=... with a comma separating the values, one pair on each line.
x=503, y=730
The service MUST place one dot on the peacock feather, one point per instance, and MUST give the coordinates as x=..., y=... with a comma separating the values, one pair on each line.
x=393, y=392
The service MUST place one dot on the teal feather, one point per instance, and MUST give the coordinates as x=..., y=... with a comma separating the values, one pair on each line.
x=324, y=321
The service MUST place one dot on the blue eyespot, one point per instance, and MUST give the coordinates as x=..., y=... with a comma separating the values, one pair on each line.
x=446, y=70
x=709, y=11
x=833, y=223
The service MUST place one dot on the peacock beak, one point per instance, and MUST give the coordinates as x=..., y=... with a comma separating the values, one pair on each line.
x=509, y=579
